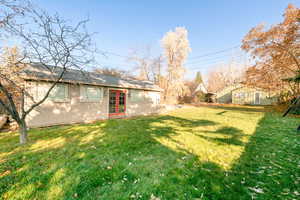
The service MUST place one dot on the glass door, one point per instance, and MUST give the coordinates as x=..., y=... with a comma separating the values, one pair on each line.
x=117, y=102
x=112, y=102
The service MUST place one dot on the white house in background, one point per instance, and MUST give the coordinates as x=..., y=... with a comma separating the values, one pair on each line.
x=201, y=88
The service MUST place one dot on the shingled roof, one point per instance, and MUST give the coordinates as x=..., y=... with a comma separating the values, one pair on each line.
x=43, y=73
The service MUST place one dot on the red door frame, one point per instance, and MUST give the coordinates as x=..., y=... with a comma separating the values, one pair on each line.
x=117, y=113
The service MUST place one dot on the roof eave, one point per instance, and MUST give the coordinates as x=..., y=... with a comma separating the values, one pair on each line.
x=28, y=78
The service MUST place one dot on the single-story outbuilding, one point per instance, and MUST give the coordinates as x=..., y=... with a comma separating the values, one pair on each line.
x=82, y=96
x=243, y=94
x=253, y=96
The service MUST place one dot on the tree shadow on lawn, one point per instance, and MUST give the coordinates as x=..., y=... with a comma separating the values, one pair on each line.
x=235, y=136
x=120, y=159
x=243, y=108
x=221, y=113
x=268, y=168
x=84, y=161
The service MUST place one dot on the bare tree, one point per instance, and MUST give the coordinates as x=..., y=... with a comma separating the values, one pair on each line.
x=113, y=72
x=225, y=75
x=10, y=9
x=142, y=62
x=157, y=69
x=176, y=48
x=149, y=68
x=45, y=39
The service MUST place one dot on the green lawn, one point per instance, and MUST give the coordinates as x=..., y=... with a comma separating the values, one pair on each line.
x=191, y=153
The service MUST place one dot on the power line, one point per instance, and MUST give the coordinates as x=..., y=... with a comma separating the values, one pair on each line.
x=214, y=53
x=217, y=60
x=212, y=63
x=192, y=58
x=115, y=54
x=212, y=59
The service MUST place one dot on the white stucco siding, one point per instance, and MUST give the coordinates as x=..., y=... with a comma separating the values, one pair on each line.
x=147, y=103
x=74, y=110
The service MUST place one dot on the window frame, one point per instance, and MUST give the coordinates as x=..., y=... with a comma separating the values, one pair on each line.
x=137, y=98
x=55, y=98
x=84, y=94
x=154, y=97
x=43, y=87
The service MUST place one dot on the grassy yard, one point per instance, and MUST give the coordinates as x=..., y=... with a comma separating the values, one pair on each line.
x=191, y=153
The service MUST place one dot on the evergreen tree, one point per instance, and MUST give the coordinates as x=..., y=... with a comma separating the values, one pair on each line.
x=198, y=78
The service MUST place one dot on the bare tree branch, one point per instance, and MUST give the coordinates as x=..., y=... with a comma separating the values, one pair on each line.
x=46, y=40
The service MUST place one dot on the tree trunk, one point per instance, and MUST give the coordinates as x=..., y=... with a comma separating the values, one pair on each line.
x=23, y=132
x=293, y=104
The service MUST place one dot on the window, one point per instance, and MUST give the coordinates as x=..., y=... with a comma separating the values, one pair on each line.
x=60, y=92
x=136, y=95
x=90, y=93
x=155, y=97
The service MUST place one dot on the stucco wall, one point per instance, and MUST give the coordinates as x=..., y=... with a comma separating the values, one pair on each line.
x=74, y=110
x=246, y=95
x=145, y=106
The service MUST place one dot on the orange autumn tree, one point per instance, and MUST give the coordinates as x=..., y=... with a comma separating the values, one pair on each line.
x=276, y=52
x=10, y=67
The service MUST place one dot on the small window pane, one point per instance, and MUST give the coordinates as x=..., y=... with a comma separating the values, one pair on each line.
x=155, y=97
x=137, y=95
x=58, y=93
x=91, y=93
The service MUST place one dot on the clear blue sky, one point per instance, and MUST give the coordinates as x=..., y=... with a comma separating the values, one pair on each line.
x=213, y=25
